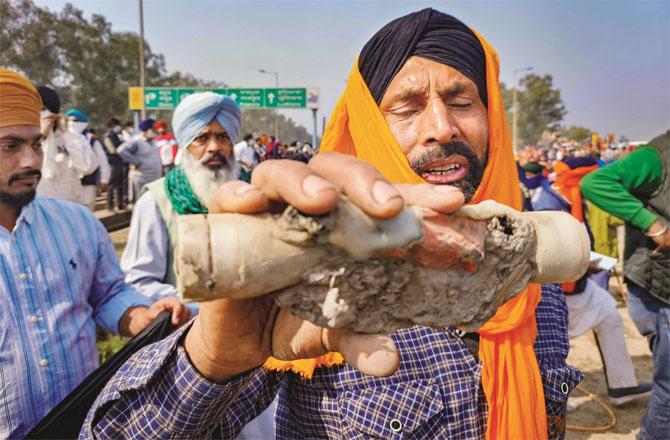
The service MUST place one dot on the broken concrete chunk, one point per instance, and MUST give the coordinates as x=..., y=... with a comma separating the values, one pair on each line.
x=348, y=270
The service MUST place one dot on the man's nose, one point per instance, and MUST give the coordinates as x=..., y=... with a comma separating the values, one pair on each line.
x=218, y=146
x=214, y=145
x=31, y=158
x=438, y=123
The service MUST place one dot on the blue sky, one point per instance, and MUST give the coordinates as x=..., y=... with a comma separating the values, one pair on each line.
x=610, y=59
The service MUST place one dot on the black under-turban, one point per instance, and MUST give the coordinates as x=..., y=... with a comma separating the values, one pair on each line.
x=428, y=34
x=50, y=98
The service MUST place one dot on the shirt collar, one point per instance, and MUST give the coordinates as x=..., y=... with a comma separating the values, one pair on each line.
x=27, y=213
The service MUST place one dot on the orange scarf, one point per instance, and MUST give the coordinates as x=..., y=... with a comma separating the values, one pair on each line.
x=567, y=184
x=511, y=376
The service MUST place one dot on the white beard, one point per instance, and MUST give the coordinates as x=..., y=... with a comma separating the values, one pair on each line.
x=205, y=181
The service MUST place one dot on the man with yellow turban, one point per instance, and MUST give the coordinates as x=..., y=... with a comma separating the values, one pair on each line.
x=422, y=107
x=59, y=276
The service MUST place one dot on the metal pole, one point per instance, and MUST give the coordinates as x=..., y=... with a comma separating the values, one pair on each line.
x=314, y=132
x=144, y=115
x=276, y=113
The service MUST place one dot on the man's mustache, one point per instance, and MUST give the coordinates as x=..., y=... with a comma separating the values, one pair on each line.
x=443, y=151
x=19, y=176
x=208, y=157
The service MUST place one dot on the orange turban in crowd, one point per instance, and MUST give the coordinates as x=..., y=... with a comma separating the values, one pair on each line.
x=567, y=184
x=511, y=376
x=20, y=104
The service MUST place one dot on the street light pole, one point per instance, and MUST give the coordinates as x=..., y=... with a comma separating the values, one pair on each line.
x=276, y=74
x=144, y=115
x=515, y=109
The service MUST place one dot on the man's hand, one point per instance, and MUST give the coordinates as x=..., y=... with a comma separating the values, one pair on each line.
x=48, y=122
x=231, y=336
x=662, y=241
x=137, y=318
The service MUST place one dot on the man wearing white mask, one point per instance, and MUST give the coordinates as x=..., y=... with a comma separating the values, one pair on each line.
x=78, y=123
x=67, y=155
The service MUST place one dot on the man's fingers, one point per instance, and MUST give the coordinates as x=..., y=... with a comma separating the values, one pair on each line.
x=180, y=314
x=441, y=198
x=361, y=182
x=375, y=355
x=240, y=197
x=295, y=183
x=295, y=338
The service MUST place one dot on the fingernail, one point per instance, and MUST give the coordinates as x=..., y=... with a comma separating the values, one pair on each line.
x=382, y=192
x=313, y=184
x=242, y=190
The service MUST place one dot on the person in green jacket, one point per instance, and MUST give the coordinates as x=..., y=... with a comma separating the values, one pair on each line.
x=637, y=190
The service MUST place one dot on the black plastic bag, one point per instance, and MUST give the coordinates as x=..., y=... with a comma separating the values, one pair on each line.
x=65, y=420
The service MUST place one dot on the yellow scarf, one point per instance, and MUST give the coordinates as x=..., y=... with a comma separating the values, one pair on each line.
x=511, y=376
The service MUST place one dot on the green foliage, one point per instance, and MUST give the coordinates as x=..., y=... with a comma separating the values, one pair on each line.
x=539, y=104
x=89, y=65
x=108, y=344
x=92, y=66
x=577, y=133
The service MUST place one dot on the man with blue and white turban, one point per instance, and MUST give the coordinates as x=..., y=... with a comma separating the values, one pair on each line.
x=206, y=125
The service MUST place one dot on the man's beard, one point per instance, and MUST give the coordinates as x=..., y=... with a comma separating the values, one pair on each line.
x=204, y=180
x=22, y=199
x=468, y=185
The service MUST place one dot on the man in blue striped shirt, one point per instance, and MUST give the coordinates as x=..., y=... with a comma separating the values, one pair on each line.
x=58, y=276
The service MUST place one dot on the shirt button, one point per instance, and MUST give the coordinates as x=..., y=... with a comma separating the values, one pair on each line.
x=13, y=238
x=23, y=276
x=43, y=362
x=33, y=319
x=395, y=425
x=565, y=389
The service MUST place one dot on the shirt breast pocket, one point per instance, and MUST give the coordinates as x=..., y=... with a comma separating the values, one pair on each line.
x=558, y=383
x=392, y=411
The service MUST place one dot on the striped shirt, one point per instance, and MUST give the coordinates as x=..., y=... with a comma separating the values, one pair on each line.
x=59, y=277
x=435, y=394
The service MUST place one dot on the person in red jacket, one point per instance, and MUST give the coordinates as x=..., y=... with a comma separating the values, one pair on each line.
x=167, y=145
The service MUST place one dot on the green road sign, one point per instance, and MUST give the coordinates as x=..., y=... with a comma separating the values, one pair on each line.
x=164, y=98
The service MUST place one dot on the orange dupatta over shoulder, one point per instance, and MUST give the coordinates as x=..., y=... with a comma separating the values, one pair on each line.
x=511, y=376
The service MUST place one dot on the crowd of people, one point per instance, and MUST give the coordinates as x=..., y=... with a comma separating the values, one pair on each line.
x=556, y=177
x=421, y=122
x=79, y=165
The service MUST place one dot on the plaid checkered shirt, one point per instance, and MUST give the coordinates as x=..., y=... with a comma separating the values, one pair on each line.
x=436, y=393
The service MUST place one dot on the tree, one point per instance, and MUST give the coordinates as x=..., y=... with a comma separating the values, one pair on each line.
x=577, y=133
x=539, y=104
x=91, y=66
x=85, y=61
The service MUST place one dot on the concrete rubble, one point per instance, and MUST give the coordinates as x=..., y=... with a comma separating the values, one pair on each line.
x=348, y=270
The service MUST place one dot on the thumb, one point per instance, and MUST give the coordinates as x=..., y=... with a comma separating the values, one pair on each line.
x=376, y=355
x=295, y=338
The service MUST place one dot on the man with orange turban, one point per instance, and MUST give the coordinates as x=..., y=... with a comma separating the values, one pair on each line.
x=60, y=277
x=422, y=107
